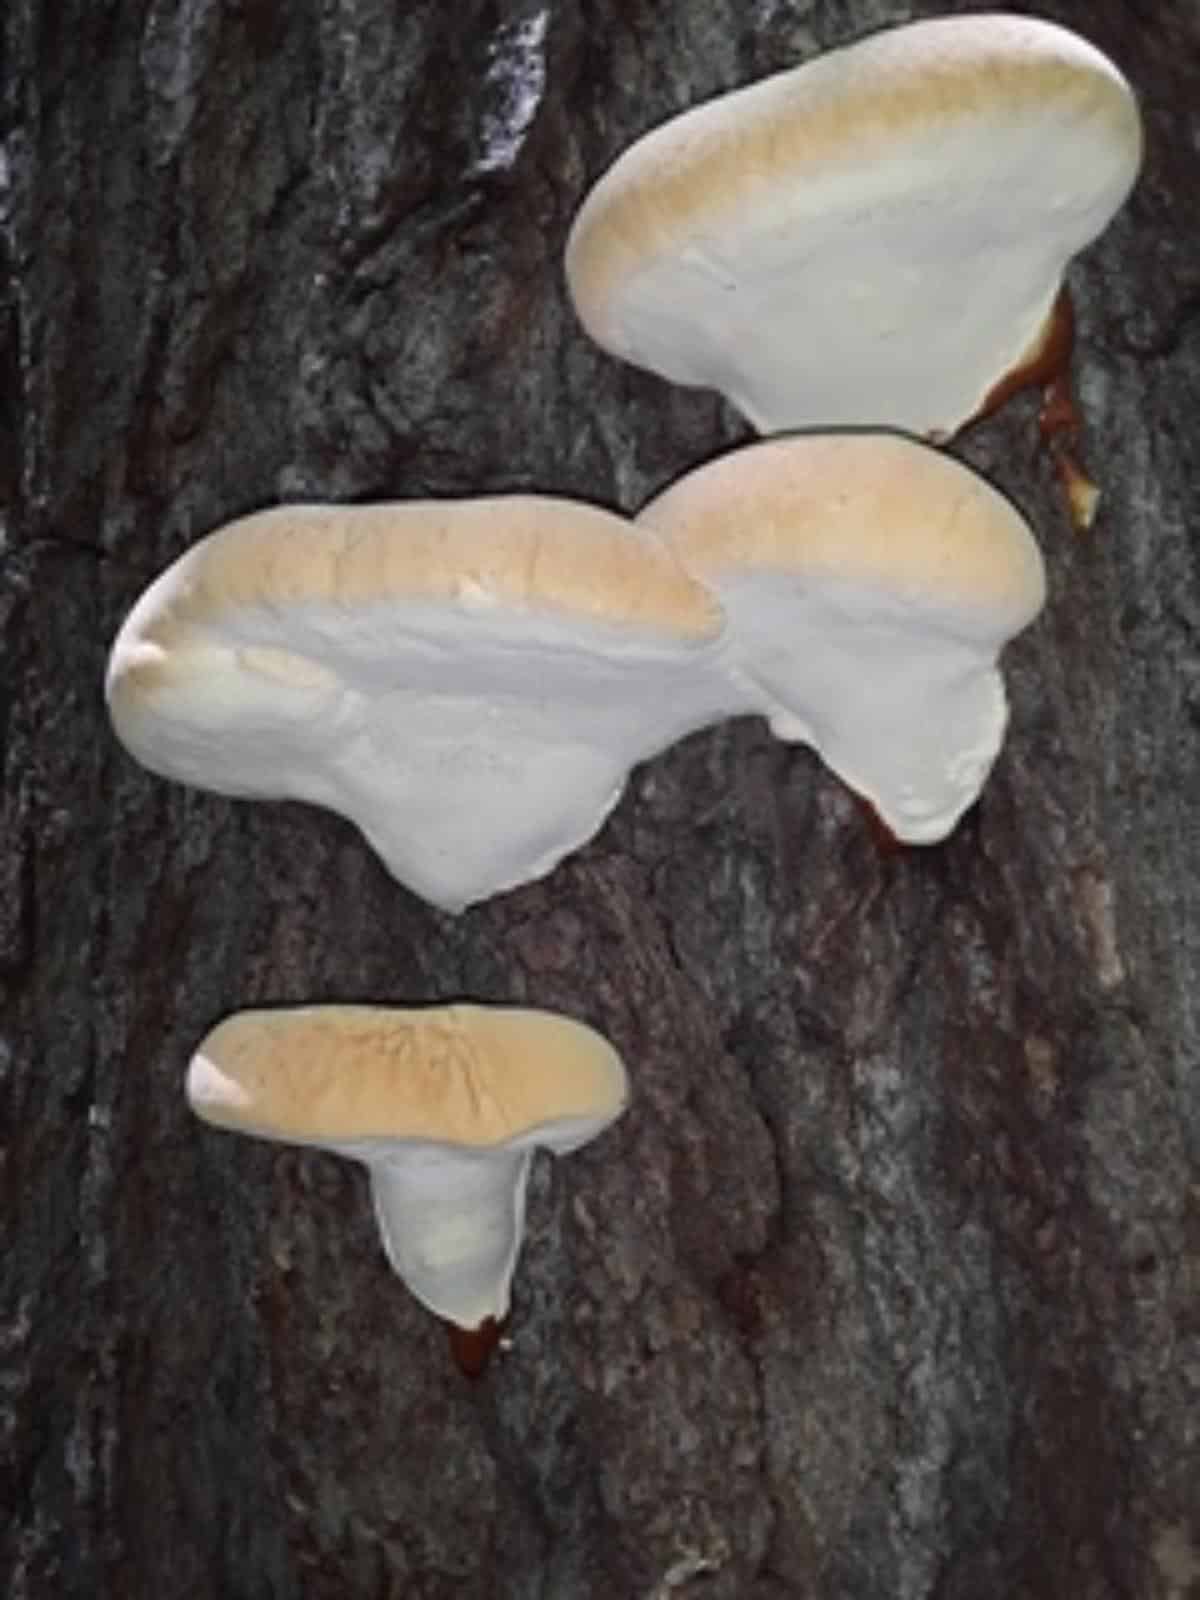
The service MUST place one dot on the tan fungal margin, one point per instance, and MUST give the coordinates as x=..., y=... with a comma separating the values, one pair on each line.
x=822, y=124
x=462, y=1074
x=532, y=552
x=877, y=509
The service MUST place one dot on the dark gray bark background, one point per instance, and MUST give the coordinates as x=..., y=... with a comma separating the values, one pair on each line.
x=889, y=1284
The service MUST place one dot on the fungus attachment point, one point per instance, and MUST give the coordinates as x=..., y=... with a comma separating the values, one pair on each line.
x=444, y=1107
x=1060, y=424
x=884, y=840
x=873, y=238
x=869, y=583
x=1048, y=362
x=472, y=1348
x=1059, y=419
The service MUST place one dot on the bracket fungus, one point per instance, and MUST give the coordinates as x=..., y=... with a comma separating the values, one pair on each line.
x=869, y=582
x=875, y=237
x=468, y=681
x=444, y=1107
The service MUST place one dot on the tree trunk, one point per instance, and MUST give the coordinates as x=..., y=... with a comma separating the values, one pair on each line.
x=889, y=1283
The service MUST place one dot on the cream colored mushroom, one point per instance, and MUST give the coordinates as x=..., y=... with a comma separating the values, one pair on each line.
x=468, y=681
x=869, y=582
x=874, y=237
x=445, y=1108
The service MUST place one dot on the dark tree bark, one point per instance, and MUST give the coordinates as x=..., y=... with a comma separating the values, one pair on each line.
x=889, y=1284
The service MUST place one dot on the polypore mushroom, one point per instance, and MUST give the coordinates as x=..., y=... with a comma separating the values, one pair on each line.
x=875, y=237
x=444, y=1107
x=468, y=681
x=869, y=582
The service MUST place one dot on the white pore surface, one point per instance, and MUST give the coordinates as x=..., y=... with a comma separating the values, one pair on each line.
x=451, y=1222
x=896, y=290
x=908, y=714
x=473, y=746
x=452, y=1219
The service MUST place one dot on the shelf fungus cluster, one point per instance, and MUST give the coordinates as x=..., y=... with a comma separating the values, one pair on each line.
x=863, y=255
x=471, y=681
x=444, y=1107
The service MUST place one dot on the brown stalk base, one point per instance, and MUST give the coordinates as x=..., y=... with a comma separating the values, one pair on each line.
x=1059, y=420
x=472, y=1347
x=1060, y=423
x=885, y=840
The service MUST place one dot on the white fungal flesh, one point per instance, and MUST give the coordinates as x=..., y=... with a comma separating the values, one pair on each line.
x=444, y=1107
x=910, y=719
x=451, y=1223
x=874, y=237
x=452, y=1220
x=473, y=750
x=473, y=741
x=868, y=583
x=478, y=770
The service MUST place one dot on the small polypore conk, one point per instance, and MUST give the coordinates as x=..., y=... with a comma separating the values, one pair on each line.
x=875, y=237
x=869, y=582
x=469, y=681
x=444, y=1107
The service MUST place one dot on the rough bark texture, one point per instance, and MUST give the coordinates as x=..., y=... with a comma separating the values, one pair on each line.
x=890, y=1283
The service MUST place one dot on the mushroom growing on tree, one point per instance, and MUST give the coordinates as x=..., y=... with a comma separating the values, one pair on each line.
x=468, y=681
x=875, y=237
x=869, y=582
x=444, y=1107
